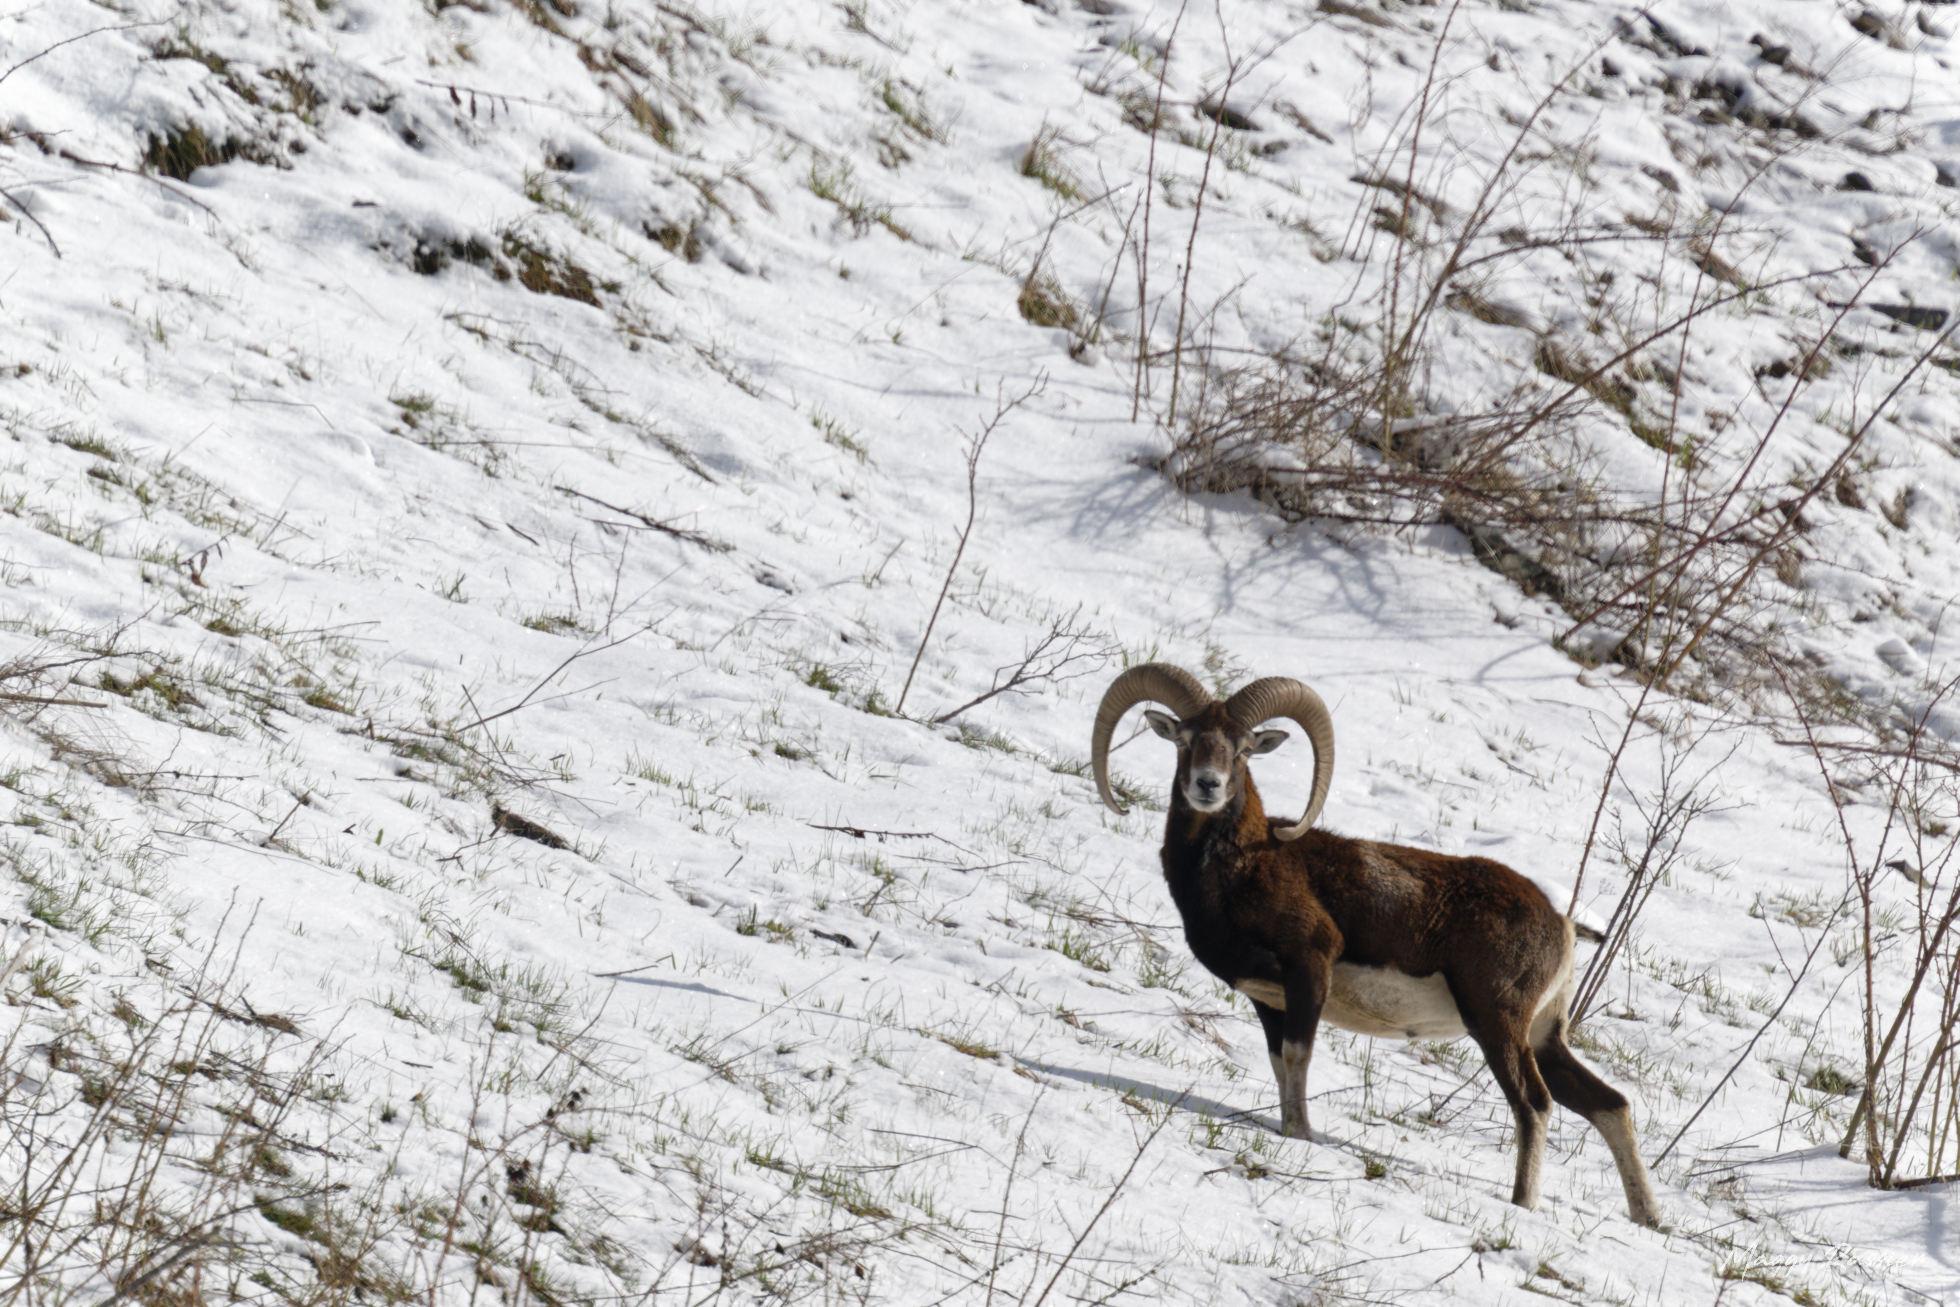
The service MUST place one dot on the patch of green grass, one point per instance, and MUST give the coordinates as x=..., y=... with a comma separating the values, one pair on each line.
x=302, y=96
x=1130, y=795
x=544, y=273
x=1712, y=263
x=177, y=48
x=648, y=770
x=414, y=406
x=836, y=433
x=751, y=924
x=552, y=623
x=1546, y=1271
x=1827, y=1079
x=431, y=256
x=906, y=105
x=45, y=979
x=519, y=996
x=174, y=694
x=1043, y=303
x=1766, y=1276
x=326, y=701
x=765, y=1159
x=1080, y=949
x=1807, y=911
x=851, y=1195
x=1616, y=393
x=546, y=13
x=535, y=268
x=182, y=151
x=65, y=907
x=650, y=118
x=676, y=239
x=836, y=183
x=521, y=1183
x=298, y=1222
x=970, y=1047
x=1042, y=162
x=974, y=737
x=86, y=442
x=1158, y=970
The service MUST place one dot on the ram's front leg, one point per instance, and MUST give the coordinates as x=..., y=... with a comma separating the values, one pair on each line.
x=1273, y=1021
x=1306, y=991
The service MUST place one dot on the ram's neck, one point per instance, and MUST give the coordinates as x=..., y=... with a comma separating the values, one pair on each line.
x=1209, y=843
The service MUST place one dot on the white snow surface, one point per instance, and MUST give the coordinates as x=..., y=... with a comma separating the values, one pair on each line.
x=353, y=537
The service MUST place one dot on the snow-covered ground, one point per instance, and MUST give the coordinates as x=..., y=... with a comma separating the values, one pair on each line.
x=478, y=476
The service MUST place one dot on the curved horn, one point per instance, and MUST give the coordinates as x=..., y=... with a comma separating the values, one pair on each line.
x=1282, y=696
x=1162, y=683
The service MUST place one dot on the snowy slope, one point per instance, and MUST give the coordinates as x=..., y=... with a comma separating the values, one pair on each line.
x=481, y=518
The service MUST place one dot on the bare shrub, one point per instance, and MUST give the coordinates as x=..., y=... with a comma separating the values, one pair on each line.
x=976, y=445
x=1352, y=425
x=1905, y=887
x=148, y=1147
x=1649, y=845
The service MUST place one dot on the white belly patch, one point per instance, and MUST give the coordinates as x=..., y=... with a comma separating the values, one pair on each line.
x=1378, y=1001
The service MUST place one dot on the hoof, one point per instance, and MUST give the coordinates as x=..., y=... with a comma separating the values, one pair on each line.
x=1295, y=1130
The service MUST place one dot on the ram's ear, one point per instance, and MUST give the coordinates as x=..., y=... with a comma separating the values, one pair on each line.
x=1267, y=741
x=1164, y=724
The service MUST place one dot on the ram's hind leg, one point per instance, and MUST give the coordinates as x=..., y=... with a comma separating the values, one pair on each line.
x=1575, y=1087
x=1531, y=1104
x=1502, y=1037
